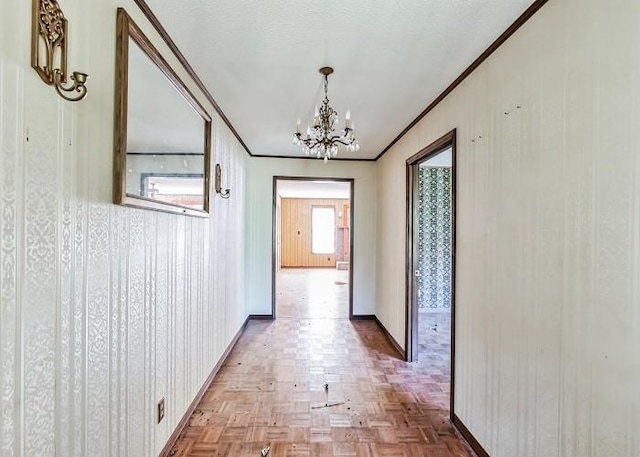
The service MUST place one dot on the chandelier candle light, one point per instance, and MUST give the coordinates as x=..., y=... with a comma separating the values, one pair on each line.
x=321, y=141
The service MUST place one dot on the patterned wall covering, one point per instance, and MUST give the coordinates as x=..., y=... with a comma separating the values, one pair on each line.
x=548, y=235
x=104, y=309
x=434, y=242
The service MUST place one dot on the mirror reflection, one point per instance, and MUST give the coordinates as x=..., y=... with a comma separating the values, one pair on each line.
x=162, y=158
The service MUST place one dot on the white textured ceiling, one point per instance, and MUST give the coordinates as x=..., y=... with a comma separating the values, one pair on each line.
x=313, y=189
x=260, y=60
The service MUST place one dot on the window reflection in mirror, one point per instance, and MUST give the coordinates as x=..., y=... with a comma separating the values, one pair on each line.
x=162, y=132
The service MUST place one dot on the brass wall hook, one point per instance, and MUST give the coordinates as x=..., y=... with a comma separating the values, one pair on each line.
x=218, y=183
x=49, y=51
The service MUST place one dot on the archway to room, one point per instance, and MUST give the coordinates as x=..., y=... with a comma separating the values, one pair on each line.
x=430, y=325
x=312, y=247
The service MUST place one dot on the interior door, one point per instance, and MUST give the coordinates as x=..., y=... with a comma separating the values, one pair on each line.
x=414, y=269
x=440, y=154
x=279, y=233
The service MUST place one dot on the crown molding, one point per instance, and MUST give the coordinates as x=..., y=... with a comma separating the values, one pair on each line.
x=142, y=4
x=519, y=22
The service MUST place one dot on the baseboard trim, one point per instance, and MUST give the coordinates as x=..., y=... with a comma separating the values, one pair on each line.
x=363, y=317
x=261, y=317
x=166, y=450
x=468, y=436
x=373, y=317
x=391, y=339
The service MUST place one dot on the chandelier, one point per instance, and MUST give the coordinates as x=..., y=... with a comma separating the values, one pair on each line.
x=321, y=141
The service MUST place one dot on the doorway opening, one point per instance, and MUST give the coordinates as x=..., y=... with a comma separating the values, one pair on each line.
x=312, y=247
x=430, y=331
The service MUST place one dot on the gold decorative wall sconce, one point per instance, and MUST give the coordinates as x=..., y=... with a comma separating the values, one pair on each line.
x=227, y=192
x=49, y=51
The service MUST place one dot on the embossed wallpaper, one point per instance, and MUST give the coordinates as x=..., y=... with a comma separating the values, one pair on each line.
x=104, y=309
x=434, y=237
x=547, y=280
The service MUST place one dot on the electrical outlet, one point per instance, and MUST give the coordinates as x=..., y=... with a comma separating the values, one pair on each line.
x=161, y=410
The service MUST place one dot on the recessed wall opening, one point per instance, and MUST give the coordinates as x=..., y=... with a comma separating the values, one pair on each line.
x=312, y=254
x=430, y=265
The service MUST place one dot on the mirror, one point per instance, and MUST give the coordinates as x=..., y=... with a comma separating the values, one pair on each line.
x=162, y=134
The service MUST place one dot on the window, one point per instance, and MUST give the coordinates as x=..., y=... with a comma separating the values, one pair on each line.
x=323, y=227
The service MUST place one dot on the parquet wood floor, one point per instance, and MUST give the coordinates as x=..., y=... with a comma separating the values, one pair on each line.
x=312, y=293
x=271, y=392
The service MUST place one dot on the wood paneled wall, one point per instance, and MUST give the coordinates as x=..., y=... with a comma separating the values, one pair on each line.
x=296, y=231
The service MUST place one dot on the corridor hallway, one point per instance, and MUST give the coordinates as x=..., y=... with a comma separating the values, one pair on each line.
x=270, y=392
x=312, y=293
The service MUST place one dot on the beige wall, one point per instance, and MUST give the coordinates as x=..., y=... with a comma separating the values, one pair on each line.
x=96, y=299
x=105, y=309
x=548, y=235
x=259, y=206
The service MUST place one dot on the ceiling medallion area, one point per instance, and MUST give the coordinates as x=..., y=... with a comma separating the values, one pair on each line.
x=321, y=140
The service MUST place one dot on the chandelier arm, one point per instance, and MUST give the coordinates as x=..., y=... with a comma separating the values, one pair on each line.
x=311, y=143
x=320, y=139
x=338, y=140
